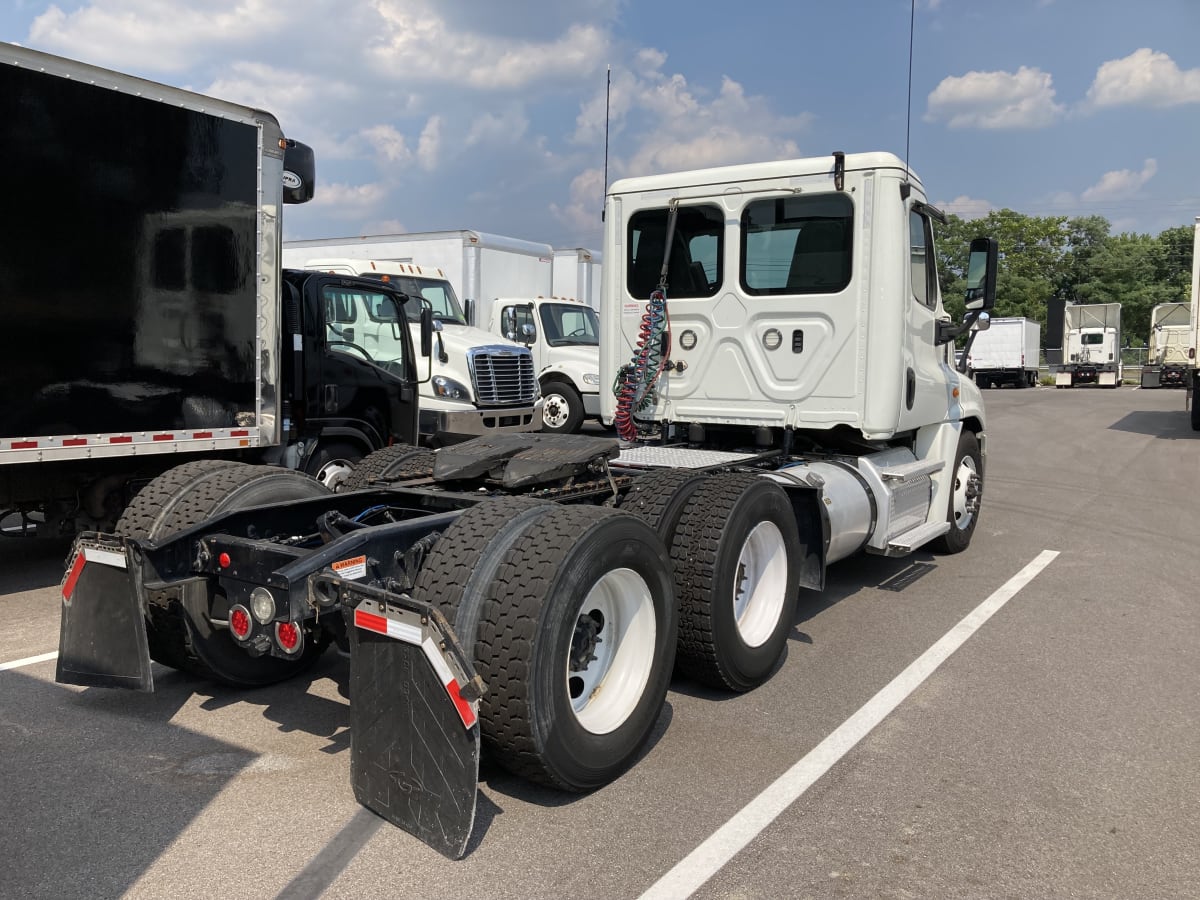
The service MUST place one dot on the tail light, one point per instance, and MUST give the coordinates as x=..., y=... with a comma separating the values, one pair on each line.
x=240, y=623
x=290, y=637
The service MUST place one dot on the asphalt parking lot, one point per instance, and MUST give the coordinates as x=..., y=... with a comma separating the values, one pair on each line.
x=1051, y=753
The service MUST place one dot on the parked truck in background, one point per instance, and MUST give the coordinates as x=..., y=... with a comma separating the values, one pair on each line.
x=1006, y=353
x=564, y=336
x=577, y=273
x=1193, y=350
x=478, y=265
x=533, y=593
x=1091, y=346
x=179, y=338
x=1167, y=347
x=479, y=383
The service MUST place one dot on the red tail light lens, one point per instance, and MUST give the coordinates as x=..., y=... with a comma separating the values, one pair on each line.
x=239, y=622
x=289, y=637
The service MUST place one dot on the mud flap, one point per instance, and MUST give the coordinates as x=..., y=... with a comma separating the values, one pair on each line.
x=414, y=716
x=102, y=638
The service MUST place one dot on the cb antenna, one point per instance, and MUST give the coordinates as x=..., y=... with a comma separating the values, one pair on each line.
x=912, y=20
x=607, y=97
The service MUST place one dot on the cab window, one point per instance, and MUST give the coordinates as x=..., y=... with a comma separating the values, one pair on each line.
x=694, y=269
x=797, y=245
x=922, y=263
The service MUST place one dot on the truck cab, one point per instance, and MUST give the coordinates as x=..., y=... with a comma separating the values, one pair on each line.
x=563, y=334
x=474, y=383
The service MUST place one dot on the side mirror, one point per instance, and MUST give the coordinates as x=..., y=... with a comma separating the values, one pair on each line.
x=426, y=331
x=983, y=323
x=528, y=333
x=981, y=274
x=299, y=172
x=469, y=311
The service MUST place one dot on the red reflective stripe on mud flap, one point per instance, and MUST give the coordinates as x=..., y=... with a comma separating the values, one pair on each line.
x=466, y=710
x=73, y=576
x=370, y=621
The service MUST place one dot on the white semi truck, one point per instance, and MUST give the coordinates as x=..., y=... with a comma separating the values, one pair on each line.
x=785, y=399
x=1006, y=353
x=1167, y=363
x=564, y=336
x=1091, y=346
x=478, y=383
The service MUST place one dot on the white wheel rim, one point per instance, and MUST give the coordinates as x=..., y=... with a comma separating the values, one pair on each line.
x=960, y=509
x=618, y=628
x=556, y=410
x=760, y=584
x=334, y=473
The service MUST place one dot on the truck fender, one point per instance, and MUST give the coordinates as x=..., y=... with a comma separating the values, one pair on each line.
x=940, y=442
x=812, y=521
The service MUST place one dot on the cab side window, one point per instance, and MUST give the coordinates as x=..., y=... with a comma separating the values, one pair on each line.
x=922, y=262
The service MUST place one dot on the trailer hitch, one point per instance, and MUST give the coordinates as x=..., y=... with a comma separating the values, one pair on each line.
x=414, y=714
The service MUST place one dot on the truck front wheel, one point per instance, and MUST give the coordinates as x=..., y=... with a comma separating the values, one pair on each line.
x=736, y=555
x=576, y=643
x=332, y=463
x=966, y=493
x=562, y=408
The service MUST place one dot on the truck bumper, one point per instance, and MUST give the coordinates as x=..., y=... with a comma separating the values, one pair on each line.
x=463, y=424
x=591, y=406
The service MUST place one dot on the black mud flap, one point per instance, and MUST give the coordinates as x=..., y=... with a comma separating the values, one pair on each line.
x=102, y=639
x=414, y=715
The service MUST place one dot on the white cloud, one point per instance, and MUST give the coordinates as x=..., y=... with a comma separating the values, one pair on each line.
x=348, y=201
x=388, y=143
x=966, y=207
x=995, y=100
x=1144, y=78
x=429, y=148
x=1121, y=184
x=494, y=128
x=582, y=213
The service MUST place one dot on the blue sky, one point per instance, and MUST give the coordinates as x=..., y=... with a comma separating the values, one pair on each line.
x=444, y=114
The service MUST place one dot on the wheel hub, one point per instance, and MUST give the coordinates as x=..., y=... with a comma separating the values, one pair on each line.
x=587, y=638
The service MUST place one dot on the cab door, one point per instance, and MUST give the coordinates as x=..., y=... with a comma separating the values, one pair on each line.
x=923, y=397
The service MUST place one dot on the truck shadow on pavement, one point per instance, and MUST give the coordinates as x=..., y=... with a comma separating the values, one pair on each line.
x=1165, y=424
x=27, y=564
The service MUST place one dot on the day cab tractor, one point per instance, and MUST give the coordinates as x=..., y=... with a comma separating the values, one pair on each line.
x=785, y=398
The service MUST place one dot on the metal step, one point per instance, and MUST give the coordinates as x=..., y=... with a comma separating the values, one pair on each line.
x=917, y=537
x=915, y=469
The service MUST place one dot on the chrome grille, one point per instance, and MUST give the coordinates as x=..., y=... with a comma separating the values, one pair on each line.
x=503, y=376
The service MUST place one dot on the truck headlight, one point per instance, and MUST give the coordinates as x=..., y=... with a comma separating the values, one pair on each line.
x=590, y=378
x=450, y=389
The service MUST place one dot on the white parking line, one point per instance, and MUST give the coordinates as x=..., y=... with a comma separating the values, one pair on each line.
x=28, y=661
x=728, y=840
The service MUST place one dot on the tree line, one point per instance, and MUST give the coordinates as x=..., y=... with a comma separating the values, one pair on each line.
x=1044, y=258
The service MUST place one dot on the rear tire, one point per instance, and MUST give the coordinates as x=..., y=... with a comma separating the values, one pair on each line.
x=660, y=498
x=576, y=644
x=736, y=556
x=179, y=499
x=966, y=495
x=394, y=463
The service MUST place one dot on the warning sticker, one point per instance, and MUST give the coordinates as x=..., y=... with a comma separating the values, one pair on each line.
x=631, y=308
x=351, y=569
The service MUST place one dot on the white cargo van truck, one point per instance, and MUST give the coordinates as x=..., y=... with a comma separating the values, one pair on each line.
x=577, y=274
x=1006, y=353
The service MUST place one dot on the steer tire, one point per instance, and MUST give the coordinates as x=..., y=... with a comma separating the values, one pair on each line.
x=660, y=499
x=735, y=523
x=589, y=586
x=395, y=463
x=962, y=506
x=183, y=497
x=458, y=570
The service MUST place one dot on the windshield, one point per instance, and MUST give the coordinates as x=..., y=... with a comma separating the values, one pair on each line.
x=570, y=323
x=1096, y=338
x=439, y=294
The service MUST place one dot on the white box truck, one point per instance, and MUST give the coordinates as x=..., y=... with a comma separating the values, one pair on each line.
x=1091, y=346
x=577, y=274
x=478, y=265
x=1167, y=363
x=1006, y=353
x=564, y=336
x=478, y=383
